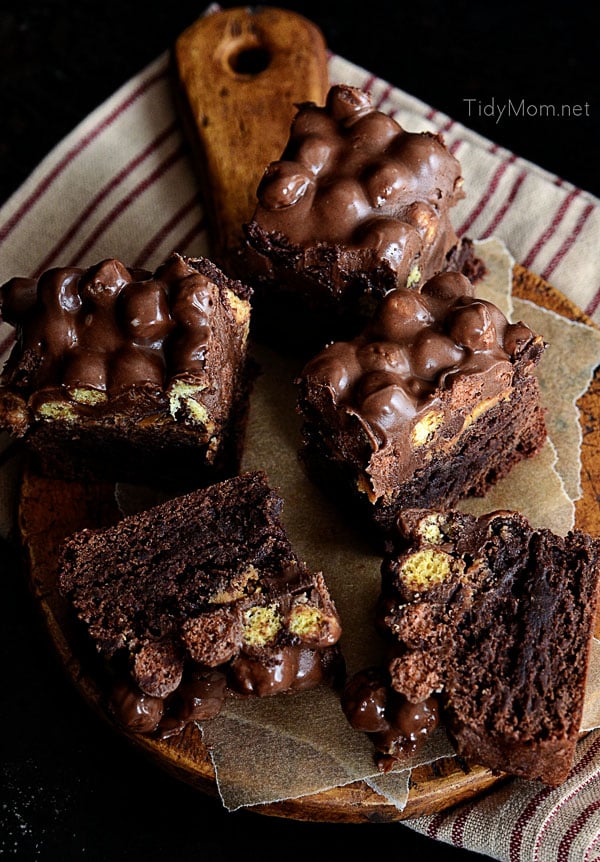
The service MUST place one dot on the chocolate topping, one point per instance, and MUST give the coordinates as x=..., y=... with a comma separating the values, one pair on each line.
x=109, y=328
x=396, y=726
x=419, y=366
x=134, y=709
x=198, y=698
x=410, y=725
x=201, y=696
x=364, y=700
x=123, y=375
x=355, y=207
x=351, y=176
x=290, y=669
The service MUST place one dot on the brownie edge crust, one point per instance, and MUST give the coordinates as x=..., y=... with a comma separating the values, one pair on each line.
x=201, y=595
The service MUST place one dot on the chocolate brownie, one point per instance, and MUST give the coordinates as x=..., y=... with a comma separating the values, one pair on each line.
x=493, y=619
x=199, y=595
x=121, y=373
x=435, y=400
x=355, y=207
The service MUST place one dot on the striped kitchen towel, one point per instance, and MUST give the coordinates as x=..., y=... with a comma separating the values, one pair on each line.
x=122, y=185
x=526, y=822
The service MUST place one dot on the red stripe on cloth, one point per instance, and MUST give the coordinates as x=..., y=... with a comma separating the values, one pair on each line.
x=555, y=811
x=574, y=829
x=552, y=227
x=437, y=821
x=368, y=83
x=458, y=827
x=51, y=257
x=386, y=92
x=160, y=235
x=175, y=156
x=516, y=839
x=568, y=242
x=58, y=169
x=587, y=757
x=485, y=197
x=593, y=305
x=505, y=206
x=446, y=127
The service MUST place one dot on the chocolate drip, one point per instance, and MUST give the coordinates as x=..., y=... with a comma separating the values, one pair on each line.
x=396, y=726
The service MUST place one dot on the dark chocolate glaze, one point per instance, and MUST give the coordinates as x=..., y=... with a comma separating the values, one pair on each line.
x=290, y=669
x=135, y=710
x=352, y=177
x=364, y=700
x=110, y=328
x=201, y=693
x=424, y=356
x=199, y=697
x=396, y=726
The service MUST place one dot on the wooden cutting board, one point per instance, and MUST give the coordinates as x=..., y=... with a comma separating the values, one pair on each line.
x=239, y=75
x=231, y=66
x=49, y=510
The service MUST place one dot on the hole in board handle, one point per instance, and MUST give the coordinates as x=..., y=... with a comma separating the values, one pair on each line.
x=250, y=61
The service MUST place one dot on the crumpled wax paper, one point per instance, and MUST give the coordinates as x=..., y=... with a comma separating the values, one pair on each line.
x=290, y=746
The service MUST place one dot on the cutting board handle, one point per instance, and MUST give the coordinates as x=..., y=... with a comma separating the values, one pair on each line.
x=241, y=72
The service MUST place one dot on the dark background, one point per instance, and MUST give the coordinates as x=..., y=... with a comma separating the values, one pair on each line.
x=69, y=787
x=60, y=59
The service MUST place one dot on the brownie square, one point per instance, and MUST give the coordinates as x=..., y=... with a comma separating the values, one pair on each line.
x=435, y=400
x=355, y=207
x=125, y=374
x=493, y=620
x=200, y=595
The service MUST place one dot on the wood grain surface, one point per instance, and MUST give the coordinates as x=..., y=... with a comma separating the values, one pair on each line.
x=240, y=73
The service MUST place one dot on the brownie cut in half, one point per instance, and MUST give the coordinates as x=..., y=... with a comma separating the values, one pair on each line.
x=435, y=400
x=492, y=620
x=122, y=373
x=197, y=596
x=355, y=207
